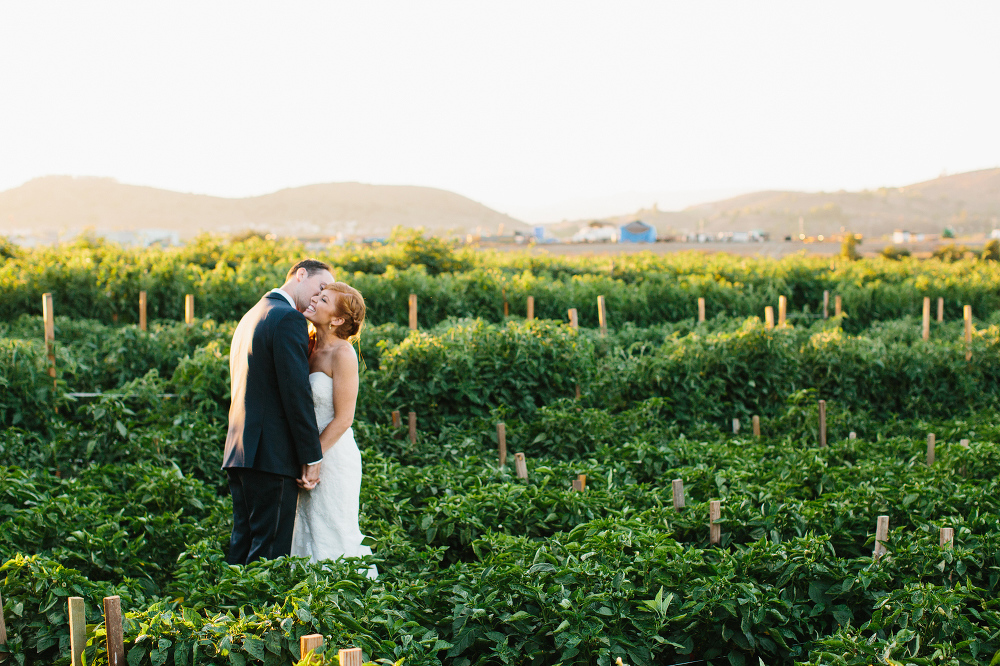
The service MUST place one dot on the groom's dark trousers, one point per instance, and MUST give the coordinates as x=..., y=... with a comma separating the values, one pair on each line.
x=272, y=428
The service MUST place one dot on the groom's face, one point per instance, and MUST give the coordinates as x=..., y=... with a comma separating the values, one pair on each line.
x=311, y=285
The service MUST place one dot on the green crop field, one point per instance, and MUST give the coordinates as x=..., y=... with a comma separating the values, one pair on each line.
x=122, y=493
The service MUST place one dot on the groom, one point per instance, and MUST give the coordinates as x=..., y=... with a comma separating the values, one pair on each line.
x=272, y=440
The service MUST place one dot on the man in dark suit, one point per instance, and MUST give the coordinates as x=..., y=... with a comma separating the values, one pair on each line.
x=272, y=446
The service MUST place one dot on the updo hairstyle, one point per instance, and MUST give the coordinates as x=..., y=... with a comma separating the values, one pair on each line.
x=350, y=305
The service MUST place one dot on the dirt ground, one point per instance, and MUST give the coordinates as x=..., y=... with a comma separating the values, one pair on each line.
x=775, y=249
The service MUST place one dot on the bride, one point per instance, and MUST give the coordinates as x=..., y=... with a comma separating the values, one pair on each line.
x=326, y=520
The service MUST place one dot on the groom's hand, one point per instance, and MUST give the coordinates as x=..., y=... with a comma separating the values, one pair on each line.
x=310, y=476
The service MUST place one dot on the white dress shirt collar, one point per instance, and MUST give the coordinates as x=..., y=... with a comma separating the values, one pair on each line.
x=279, y=290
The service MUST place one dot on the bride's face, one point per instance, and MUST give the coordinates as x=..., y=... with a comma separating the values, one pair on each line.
x=322, y=310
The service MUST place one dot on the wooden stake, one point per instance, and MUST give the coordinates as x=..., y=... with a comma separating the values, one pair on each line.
x=142, y=311
x=3, y=627
x=531, y=308
x=502, y=443
x=964, y=443
x=50, y=333
x=756, y=426
x=189, y=309
x=77, y=631
x=930, y=449
x=521, y=466
x=927, y=318
x=826, y=304
x=396, y=419
x=350, y=657
x=782, y=310
x=714, y=529
x=413, y=312
x=701, y=310
x=506, y=305
x=678, y=488
x=947, y=537
x=602, y=315
x=572, y=318
x=577, y=391
x=940, y=309
x=768, y=317
x=308, y=644
x=881, y=535
x=413, y=427
x=580, y=483
x=113, y=626
x=967, y=316
x=822, y=423
x=837, y=306
x=736, y=426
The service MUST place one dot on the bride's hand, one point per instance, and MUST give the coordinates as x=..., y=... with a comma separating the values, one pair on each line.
x=310, y=476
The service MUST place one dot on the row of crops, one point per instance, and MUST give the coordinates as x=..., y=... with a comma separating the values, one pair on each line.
x=122, y=493
x=104, y=281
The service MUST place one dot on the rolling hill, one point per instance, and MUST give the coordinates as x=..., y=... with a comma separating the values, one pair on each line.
x=64, y=205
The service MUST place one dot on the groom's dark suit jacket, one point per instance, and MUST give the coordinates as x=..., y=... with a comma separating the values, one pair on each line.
x=272, y=426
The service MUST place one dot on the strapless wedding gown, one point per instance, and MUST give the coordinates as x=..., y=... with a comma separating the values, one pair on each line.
x=326, y=519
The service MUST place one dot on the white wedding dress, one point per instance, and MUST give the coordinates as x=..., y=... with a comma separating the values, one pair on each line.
x=326, y=520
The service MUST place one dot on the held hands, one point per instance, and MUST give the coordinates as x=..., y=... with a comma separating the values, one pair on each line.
x=310, y=476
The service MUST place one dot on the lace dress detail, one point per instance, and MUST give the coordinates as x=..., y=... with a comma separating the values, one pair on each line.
x=326, y=519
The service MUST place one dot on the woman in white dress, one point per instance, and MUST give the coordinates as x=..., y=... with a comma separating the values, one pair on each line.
x=326, y=520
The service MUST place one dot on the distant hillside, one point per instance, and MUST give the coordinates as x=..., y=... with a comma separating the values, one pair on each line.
x=62, y=204
x=967, y=202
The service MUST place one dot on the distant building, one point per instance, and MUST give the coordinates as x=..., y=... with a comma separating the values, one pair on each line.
x=637, y=232
x=900, y=236
x=597, y=232
x=995, y=233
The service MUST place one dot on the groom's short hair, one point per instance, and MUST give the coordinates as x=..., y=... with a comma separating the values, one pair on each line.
x=312, y=267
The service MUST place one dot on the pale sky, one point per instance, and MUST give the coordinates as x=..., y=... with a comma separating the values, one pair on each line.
x=524, y=106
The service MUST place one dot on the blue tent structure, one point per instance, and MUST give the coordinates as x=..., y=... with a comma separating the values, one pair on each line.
x=638, y=232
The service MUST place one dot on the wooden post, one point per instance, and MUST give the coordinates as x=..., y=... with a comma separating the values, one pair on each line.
x=678, y=488
x=577, y=391
x=502, y=443
x=602, y=316
x=927, y=318
x=964, y=443
x=572, y=318
x=940, y=309
x=837, y=306
x=506, y=305
x=736, y=426
x=189, y=309
x=930, y=449
x=413, y=312
x=50, y=333
x=350, y=657
x=580, y=483
x=113, y=626
x=701, y=310
x=396, y=419
x=714, y=529
x=756, y=426
x=826, y=304
x=308, y=644
x=77, y=631
x=822, y=423
x=881, y=534
x=947, y=537
x=769, y=317
x=782, y=310
x=3, y=627
x=413, y=427
x=142, y=311
x=531, y=308
x=521, y=466
x=967, y=316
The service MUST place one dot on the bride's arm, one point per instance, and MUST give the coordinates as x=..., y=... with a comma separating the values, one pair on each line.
x=344, y=369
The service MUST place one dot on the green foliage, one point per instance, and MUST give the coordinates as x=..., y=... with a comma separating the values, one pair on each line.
x=895, y=253
x=991, y=250
x=950, y=253
x=849, y=248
